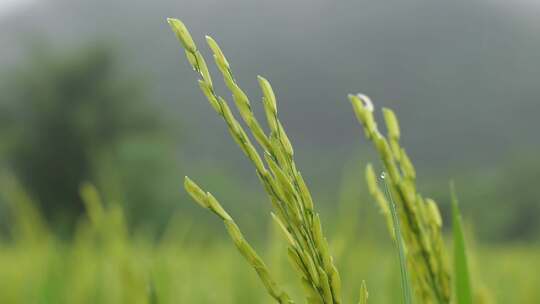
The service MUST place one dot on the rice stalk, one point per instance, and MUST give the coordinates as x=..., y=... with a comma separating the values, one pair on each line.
x=207, y=201
x=404, y=273
x=289, y=195
x=419, y=217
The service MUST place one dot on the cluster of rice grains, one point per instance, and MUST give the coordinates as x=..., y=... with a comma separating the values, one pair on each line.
x=289, y=195
x=419, y=217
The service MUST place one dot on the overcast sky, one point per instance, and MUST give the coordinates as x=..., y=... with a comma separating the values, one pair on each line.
x=6, y=6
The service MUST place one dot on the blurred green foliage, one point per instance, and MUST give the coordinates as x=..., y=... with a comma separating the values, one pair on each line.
x=108, y=263
x=501, y=201
x=73, y=116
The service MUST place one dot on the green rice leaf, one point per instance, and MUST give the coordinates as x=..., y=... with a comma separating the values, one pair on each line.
x=406, y=286
x=462, y=281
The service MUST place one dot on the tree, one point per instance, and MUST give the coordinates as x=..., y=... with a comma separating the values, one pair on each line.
x=60, y=112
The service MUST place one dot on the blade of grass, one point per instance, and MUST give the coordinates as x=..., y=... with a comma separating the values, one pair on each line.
x=405, y=279
x=152, y=294
x=462, y=283
x=363, y=293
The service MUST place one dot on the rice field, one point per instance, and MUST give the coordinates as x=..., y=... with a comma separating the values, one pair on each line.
x=421, y=260
x=108, y=264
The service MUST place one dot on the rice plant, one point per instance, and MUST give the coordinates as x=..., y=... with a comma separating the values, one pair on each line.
x=289, y=195
x=420, y=217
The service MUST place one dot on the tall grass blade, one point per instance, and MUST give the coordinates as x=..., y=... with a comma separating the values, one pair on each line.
x=152, y=294
x=405, y=279
x=363, y=293
x=462, y=285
